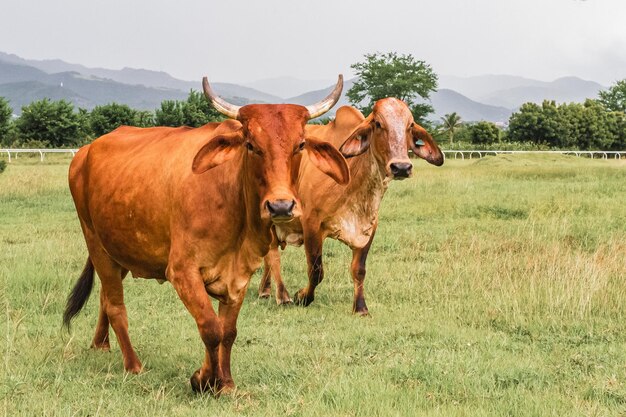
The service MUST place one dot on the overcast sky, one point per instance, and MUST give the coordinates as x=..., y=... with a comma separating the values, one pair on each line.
x=245, y=40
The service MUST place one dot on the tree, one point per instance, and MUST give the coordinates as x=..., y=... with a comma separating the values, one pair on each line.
x=6, y=114
x=108, y=117
x=198, y=111
x=537, y=124
x=451, y=123
x=392, y=75
x=170, y=114
x=574, y=125
x=614, y=99
x=54, y=123
x=484, y=133
x=144, y=118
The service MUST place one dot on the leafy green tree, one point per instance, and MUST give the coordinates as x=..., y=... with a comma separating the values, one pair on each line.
x=614, y=99
x=108, y=117
x=451, y=123
x=596, y=134
x=197, y=111
x=383, y=75
x=144, y=118
x=6, y=113
x=170, y=114
x=51, y=122
x=484, y=133
x=586, y=126
x=524, y=124
x=537, y=124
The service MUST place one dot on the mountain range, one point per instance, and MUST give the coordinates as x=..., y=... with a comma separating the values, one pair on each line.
x=486, y=97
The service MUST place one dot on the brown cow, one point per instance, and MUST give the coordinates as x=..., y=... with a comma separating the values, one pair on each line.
x=194, y=207
x=349, y=213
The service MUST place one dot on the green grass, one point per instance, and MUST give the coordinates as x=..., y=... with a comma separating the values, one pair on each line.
x=497, y=288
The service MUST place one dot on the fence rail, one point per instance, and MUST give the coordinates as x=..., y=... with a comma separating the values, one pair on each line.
x=41, y=152
x=481, y=153
x=462, y=154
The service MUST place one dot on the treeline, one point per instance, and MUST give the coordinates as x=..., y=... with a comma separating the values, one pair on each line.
x=588, y=126
x=598, y=124
x=57, y=124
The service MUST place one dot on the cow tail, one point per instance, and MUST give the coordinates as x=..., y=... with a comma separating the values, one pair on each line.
x=80, y=293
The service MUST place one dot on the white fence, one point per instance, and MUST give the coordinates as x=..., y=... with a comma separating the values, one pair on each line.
x=13, y=153
x=590, y=154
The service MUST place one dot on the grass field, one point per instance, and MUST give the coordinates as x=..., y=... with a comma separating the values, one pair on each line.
x=497, y=287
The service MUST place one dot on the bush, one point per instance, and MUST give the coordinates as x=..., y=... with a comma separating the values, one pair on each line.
x=3, y=165
x=484, y=133
x=54, y=122
x=106, y=118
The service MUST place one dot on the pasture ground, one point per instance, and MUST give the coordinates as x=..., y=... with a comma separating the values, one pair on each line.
x=497, y=288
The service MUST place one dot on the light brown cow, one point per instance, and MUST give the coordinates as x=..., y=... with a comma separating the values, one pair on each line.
x=193, y=207
x=349, y=213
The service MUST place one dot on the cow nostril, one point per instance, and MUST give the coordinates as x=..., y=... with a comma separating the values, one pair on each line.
x=401, y=169
x=281, y=208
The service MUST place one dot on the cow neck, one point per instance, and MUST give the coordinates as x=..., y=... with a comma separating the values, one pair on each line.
x=256, y=229
x=368, y=175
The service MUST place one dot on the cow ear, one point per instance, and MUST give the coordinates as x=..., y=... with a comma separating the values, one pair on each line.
x=328, y=160
x=424, y=146
x=218, y=150
x=358, y=142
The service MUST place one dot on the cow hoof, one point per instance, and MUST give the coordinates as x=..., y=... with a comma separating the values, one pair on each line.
x=104, y=346
x=225, y=388
x=300, y=299
x=285, y=302
x=134, y=368
x=212, y=386
x=362, y=313
x=197, y=385
x=265, y=295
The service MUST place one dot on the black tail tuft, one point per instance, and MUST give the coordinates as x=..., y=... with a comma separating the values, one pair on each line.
x=80, y=293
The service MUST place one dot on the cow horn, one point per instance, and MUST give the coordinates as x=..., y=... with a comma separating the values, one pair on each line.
x=321, y=107
x=220, y=104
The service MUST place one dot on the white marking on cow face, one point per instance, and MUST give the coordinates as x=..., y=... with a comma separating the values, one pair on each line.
x=391, y=134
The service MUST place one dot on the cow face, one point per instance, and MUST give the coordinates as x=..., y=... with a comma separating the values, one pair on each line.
x=271, y=138
x=390, y=131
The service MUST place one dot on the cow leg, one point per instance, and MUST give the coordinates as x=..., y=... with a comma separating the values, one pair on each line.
x=265, y=286
x=357, y=268
x=271, y=267
x=191, y=290
x=313, y=247
x=111, y=275
x=101, y=338
x=228, y=314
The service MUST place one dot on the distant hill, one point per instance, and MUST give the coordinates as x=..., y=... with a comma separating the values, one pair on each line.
x=160, y=85
x=444, y=101
x=512, y=91
x=22, y=84
x=562, y=90
x=487, y=97
x=285, y=87
x=317, y=95
x=480, y=86
x=448, y=101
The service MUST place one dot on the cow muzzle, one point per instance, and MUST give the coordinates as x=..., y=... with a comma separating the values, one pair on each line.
x=281, y=211
x=400, y=170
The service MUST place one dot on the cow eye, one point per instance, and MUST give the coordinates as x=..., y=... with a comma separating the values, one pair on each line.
x=249, y=147
x=301, y=146
x=377, y=124
x=419, y=142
